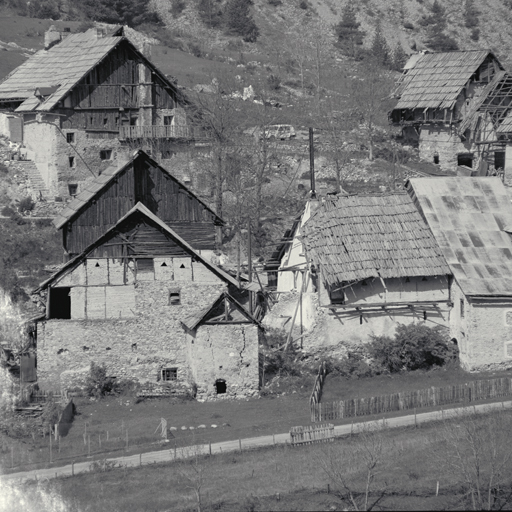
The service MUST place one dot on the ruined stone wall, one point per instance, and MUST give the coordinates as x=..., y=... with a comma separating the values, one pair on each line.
x=445, y=142
x=51, y=152
x=228, y=352
x=138, y=347
x=86, y=154
x=333, y=331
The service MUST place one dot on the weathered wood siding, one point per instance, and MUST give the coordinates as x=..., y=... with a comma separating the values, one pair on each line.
x=122, y=80
x=162, y=195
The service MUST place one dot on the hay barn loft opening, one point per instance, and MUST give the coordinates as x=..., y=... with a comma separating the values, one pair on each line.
x=60, y=303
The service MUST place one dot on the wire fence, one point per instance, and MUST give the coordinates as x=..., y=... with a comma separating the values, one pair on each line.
x=430, y=397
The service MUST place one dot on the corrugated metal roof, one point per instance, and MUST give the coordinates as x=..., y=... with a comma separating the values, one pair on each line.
x=140, y=208
x=97, y=184
x=467, y=217
x=358, y=237
x=63, y=65
x=436, y=80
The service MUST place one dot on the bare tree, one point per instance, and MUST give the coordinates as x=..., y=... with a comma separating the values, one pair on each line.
x=369, y=96
x=352, y=469
x=475, y=449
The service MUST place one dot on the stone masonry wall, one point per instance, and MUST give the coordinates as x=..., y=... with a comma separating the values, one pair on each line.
x=137, y=348
x=228, y=352
x=445, y=142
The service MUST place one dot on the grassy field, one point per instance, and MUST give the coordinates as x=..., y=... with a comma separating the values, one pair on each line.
x=340, y=388
x=414, y=471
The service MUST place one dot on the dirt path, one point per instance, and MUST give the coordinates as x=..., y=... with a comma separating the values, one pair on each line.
x=232, y=446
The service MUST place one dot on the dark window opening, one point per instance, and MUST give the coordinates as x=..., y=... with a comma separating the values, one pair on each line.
x=71, y=160
x=108, y=348
x=462, y=312
x=106, y=154
x=182, y=266
x=73, y=189
x=360, y=319
x=170, y=374
x=499, y=159
x=436, y=158
x=60, y=303
x=168, y=120
x=97, y=264
x=133, y=121
x=134, y=347
x=424, y=279
x=163, y=264
x=85, y=348
x=220, y=386
x=337, y=296
x=67, y=29
x=105, y=121
x=407, y=280
x=466, y=160
x=145, y=265
x=424, y=315
x=364, y=283
x=174, y=298
x=70, y=138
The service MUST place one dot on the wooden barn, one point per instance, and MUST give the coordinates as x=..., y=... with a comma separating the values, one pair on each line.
x=125, y=302
x=85, y=100
x=455, y=104
x=119, y=188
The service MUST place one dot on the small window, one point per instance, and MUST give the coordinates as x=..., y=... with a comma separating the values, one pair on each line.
x=106, y=154
x=174, y=298
x=71, y=160
x=67, y=29
x=436, y=158
x=337, y=295
x=220, y=386
x=105, y=121
x=73, y=188
x=168, y=120
x=70, y=138
x=145, y=265
x=170, y=374
x=462, y=308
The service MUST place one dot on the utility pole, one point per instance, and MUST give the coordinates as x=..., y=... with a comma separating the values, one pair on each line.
x=312, y=163
x=249, y=262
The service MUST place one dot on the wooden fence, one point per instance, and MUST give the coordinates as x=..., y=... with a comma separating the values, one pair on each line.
x=431, y=397
x=312, y=434
x=316, y=394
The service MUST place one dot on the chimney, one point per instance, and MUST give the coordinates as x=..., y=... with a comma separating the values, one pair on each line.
x=51, y=37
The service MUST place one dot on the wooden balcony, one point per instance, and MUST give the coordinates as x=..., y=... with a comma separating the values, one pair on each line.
x=155, y=132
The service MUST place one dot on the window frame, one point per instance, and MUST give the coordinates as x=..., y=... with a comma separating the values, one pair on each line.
x=169, y=374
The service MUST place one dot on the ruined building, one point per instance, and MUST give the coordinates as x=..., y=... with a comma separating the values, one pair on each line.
x=84, y=102
x=458, y=106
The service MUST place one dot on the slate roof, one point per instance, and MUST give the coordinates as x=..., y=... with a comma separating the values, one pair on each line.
x=358, y=237
x=140, y=208
x=95, y=186
x=63, y=65
x=436, y=79
x=468, y=217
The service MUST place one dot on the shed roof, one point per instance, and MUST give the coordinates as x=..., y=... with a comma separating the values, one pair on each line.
x=61, y=67
x=95, y=186
x=140, y=208
x=358, y=237
x=436, y=79
x=468, y=217
x=191, y=322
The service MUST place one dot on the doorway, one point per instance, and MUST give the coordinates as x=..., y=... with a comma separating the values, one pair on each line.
x=220, y=386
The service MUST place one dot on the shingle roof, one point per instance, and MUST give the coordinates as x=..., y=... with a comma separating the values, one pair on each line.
x=97, y=184
x=140, y=208
x=436, y=80
x=468, y=217
x=358, y=237
x=64, y=65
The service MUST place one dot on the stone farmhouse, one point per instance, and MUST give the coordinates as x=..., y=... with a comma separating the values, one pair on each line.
x=86, y=100
x=119, y=188
x=458, y=106
x=471, y=219
x=143, y=302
